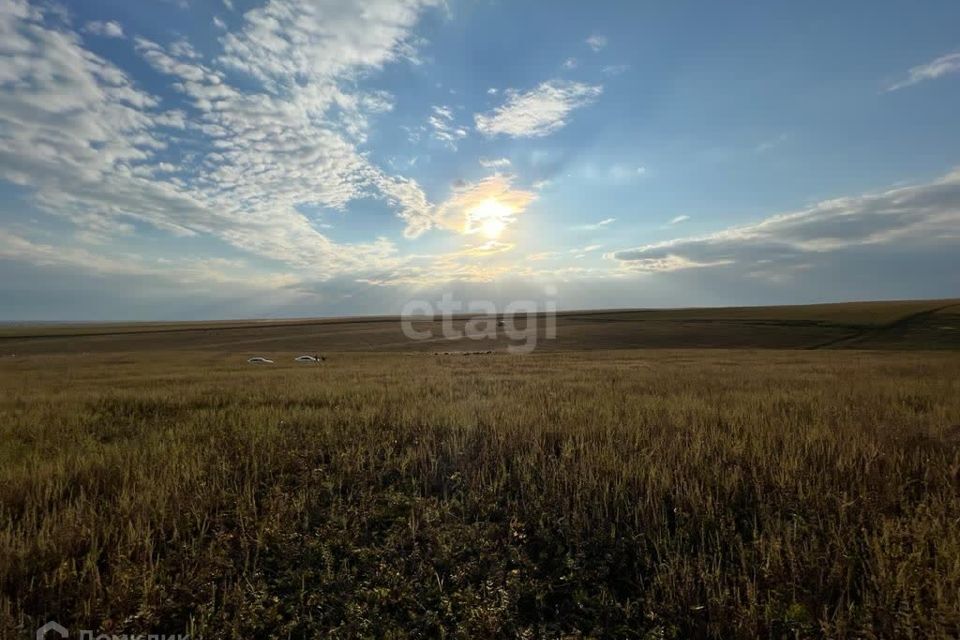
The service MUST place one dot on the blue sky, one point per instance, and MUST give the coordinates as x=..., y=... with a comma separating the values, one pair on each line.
x=181, y=159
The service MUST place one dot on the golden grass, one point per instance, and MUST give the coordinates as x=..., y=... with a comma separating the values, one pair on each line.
x=623, y=494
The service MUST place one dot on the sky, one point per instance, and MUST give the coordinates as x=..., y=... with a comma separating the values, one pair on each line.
x=203, y=159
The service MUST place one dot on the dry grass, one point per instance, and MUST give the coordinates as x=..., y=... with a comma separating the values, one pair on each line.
x=624, y=494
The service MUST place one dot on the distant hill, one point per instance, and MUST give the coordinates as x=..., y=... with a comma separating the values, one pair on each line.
x=914, y=324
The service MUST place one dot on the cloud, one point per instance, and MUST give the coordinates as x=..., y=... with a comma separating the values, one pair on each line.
x=543, y=255
x=444, y=128
x=614, y=174
x=949, y=63
x=494, y=163
x=596, y=225
x=195, y=273
x=924, y=215
x=489, y=248
x=405, y=194
x=615, y=69
x=93, y=148
x=678, y=219
x=75, y=129
x=767, y=145
x=669, y=262
x=538, y=112
x=459, y=212
x=181, y=48
x=321, y=40
x=596, y=42
x=482, y=262
x=570, y=63
x=108, y=29
x=582, y=252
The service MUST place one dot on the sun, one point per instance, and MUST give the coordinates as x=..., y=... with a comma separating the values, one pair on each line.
x=492, y=227
x=490, y=218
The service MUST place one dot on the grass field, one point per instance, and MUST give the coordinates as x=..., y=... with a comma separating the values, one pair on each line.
x=644, y=493
x=928, y=324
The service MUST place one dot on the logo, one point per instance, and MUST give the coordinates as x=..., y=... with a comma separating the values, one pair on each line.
x=54, y=626
x=86, y=634
x=482, y=321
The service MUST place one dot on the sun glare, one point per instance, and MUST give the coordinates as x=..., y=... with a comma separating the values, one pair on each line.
x=490, y=218
x=492, y=228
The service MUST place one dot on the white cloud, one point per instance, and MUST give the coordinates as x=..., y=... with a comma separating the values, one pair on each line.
x=596, y=225
x=494, y=163
x=924, y=215
x=405, y=193
x=942, y=66
x=182, y=48
x=596, y=42
x=679, y=219
x=615, y=69
x=670, y=262
x=320, y=40
x=538, y=112
x=586, y=249
x=191, y=272
x=457, y=213
x=444, y=128
x=108, y=29
x=570, y=63
x=93, y=148
x=543, y=255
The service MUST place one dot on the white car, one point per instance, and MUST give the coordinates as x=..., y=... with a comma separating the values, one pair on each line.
x=306, y=358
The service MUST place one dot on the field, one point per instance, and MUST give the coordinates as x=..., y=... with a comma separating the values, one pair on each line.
x=926, y=324
x=151, y=481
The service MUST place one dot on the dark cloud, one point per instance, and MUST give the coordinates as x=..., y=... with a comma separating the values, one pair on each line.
x=916, y=219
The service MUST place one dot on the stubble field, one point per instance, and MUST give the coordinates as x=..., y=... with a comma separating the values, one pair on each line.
x=619, y=493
